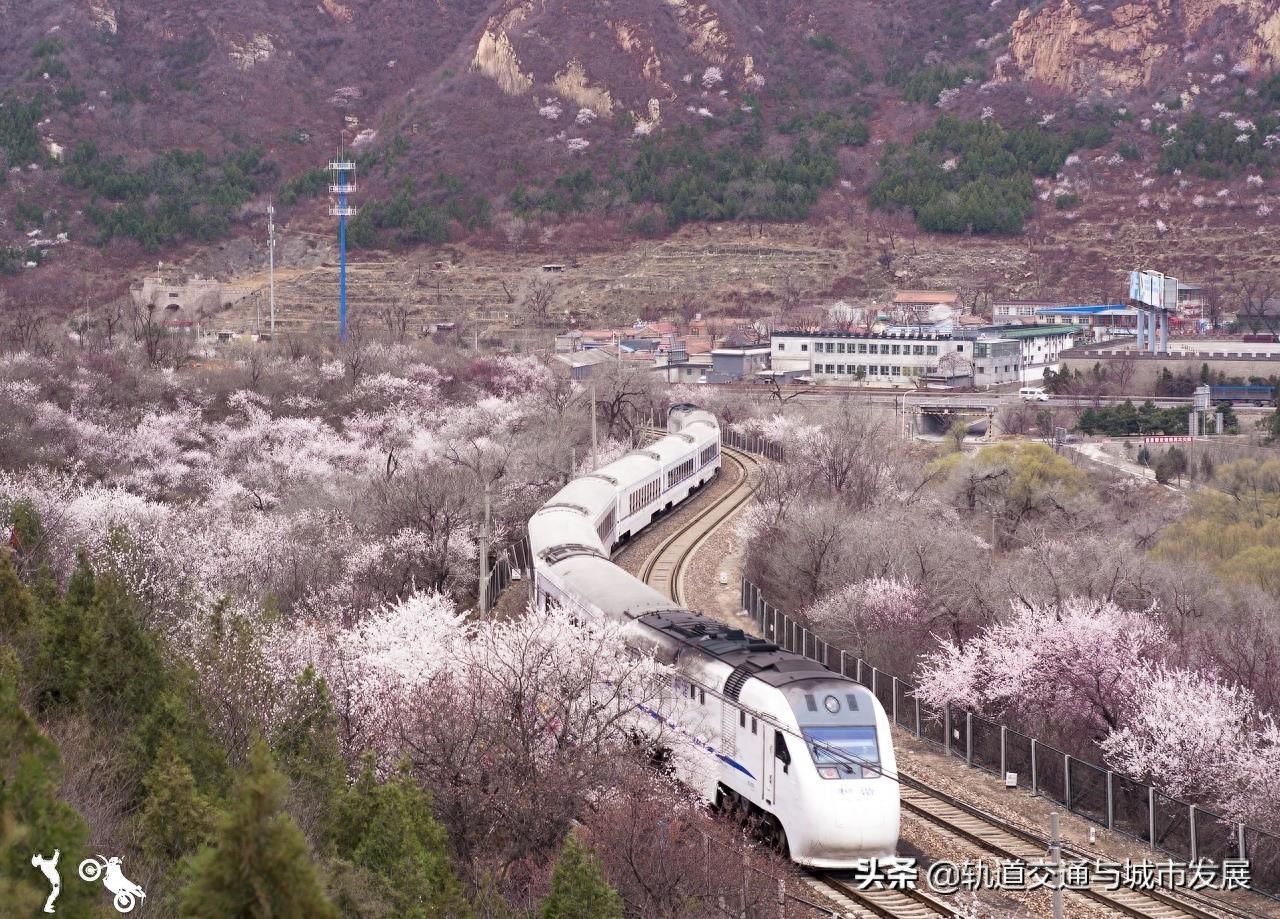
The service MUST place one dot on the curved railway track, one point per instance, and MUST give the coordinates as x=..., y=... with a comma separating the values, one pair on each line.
x=1008, y=841
x=665, y=569
x=879, y=901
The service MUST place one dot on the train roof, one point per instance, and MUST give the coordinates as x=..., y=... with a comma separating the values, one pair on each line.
x=614, y=592
x=755, y=657
x=632, y=468
x=592, y=492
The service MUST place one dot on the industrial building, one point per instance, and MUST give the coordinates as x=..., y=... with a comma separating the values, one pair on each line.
x=882, y=359
x=1103, y=321
x=1017, y=353
x=988, y=356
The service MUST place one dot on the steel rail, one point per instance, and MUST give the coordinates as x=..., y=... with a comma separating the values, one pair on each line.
x=886, y=902
x=666, y=565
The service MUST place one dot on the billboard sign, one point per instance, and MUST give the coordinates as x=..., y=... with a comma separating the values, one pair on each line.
x=1153, y=289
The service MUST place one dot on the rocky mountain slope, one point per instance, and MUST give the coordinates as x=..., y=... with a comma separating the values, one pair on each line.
x=1132, y=47
x=524, y=122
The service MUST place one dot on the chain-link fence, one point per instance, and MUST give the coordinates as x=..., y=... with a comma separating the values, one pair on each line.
x=1116, y=801
x=752, y=443
x=507, y=565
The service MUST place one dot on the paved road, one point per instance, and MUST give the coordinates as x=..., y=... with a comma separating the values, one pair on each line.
x=992, y=400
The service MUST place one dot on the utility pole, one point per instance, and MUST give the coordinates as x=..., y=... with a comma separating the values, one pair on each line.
x=595, y=445
x=484, y=555
x=271, y=267
x=1055, y=858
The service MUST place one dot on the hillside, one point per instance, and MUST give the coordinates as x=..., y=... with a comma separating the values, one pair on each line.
x=147, y=131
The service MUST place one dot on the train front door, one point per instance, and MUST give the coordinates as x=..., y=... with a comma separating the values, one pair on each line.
x=770, y=769
x=777, y=757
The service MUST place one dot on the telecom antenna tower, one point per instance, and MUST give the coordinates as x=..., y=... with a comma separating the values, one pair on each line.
x=343, y=183
x=271, y=257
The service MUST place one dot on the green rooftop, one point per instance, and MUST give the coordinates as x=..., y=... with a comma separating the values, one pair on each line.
x=1031, y=331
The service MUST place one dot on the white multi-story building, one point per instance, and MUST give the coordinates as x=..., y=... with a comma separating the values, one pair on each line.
x=986, y=357
x=884, y=359
x=1005, y=311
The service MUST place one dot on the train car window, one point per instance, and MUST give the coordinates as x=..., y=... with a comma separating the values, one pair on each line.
x=742, y=718
x=780, y=750
x=753, y=725
x=693, y=691
x=702, y=697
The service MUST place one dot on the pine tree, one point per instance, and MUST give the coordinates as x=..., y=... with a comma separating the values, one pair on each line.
x=176, y=818
x=15, y=599
x=29, y=536
x=578, y=887
x=68, y=642
x=388, y=829
x=306, y=744
x=259, y=866
x=32, y=818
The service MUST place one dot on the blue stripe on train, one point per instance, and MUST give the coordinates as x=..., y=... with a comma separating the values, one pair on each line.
x=728, y=760
x=736, y=765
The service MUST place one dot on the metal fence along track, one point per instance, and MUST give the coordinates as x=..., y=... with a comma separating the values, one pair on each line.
x=1182, y=830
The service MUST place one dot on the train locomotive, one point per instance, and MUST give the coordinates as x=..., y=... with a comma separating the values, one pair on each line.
x=780, y=738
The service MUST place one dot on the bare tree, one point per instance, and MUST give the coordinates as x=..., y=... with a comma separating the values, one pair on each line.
x=148, y=330
x=25, y=330
x=108, y=316
x=626, y=398
x=782, y=398
x=1120, y=373
x=789, y=292
x=1255, y=294
x=352, y=351
x=516, y=739
x=671, y=859
x=538, y=300
x=395, y=316
x=1015, y=418
x=1214, y=299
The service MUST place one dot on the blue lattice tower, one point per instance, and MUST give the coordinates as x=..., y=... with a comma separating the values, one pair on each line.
x=343, y=183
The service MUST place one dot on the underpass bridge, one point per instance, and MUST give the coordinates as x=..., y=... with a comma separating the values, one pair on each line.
x=934, y=417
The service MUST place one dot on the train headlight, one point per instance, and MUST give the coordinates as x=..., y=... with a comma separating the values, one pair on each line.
x=829, y=772
x=832, y=704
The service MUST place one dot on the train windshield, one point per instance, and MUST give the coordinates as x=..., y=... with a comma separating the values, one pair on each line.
x=851, y=750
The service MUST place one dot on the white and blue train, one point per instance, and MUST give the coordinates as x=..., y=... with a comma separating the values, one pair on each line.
x=804, y=750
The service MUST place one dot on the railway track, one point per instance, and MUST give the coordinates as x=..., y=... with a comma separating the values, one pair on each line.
x=1007, y=841
x=664, y=569
x=879, y=901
